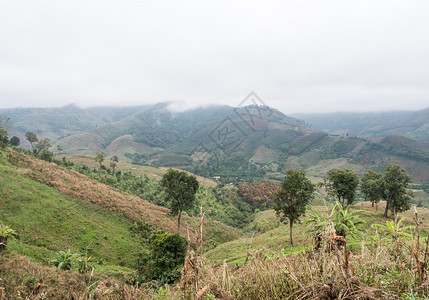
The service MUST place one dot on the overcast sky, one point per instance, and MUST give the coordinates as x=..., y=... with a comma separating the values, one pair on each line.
x=298, y=56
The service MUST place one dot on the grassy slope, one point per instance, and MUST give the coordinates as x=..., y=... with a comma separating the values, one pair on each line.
x=48, y=220
x=277, y=240
x=53, y=208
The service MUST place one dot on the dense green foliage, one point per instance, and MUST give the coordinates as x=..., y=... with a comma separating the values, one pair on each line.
x=43, y=144
x=14, y=141
x=224, y=203
x=295, y=194
x=395, y=229
x=342, y=184
x=180, y=189
x=65, y=260
x=165, y=258
x=395, y=191
x=141, y=186
x=372, y=186
x=300, y=144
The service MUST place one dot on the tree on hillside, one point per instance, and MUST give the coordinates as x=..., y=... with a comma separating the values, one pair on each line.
x=31, y=138
x=15, y=141
x=342, y=184
x=4, y=128
x=395, y=191
x=113, y=162
x=372, y=186
x=294, y=195
x=99, y=157
x=180, y=189
x=47, y=155
x=43, y=144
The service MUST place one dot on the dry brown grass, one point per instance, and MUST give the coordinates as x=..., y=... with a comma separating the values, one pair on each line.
x=381, y=269
x=22, y=279
x=377, y=272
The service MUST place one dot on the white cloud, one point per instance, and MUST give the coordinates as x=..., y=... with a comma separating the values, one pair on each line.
x=297, y=55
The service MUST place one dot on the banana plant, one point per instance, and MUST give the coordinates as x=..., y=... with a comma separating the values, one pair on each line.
x=344, y=220
x=6, y=232
x=395, y=229
x=85, y=263
x=317, y=223
x=65, y=260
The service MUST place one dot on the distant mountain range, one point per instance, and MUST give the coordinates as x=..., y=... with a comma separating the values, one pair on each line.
x=236, y=144
x=413, y=124
x=56, y=123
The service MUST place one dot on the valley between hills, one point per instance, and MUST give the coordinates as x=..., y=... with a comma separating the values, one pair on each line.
x=109, y=222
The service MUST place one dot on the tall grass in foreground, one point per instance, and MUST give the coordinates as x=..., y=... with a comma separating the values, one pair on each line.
x=382, y=269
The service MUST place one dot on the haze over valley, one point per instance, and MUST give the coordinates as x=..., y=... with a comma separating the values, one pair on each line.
x=214, y=150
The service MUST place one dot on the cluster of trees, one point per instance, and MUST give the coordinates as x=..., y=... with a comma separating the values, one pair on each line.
x=226, y=205
x=297, y=191
x=391, y=187
x=99, y=157
x=40, y=148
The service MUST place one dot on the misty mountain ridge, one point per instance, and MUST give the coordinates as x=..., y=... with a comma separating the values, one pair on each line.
x=237, y=143
x=413, y=124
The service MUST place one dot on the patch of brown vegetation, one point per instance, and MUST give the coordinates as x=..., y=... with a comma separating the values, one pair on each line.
x=77, y=185
x=22, y=279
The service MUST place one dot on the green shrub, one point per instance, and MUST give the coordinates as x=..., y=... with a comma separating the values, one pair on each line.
x=165, y=259
x=65, y=260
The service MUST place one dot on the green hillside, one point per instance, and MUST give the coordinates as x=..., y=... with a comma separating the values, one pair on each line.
x=48, y=221
x=54, y=209
x=276, y=241
x=237, y=145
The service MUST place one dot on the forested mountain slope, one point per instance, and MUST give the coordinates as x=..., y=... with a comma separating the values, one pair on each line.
x=242, y=144
x=413, y=124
